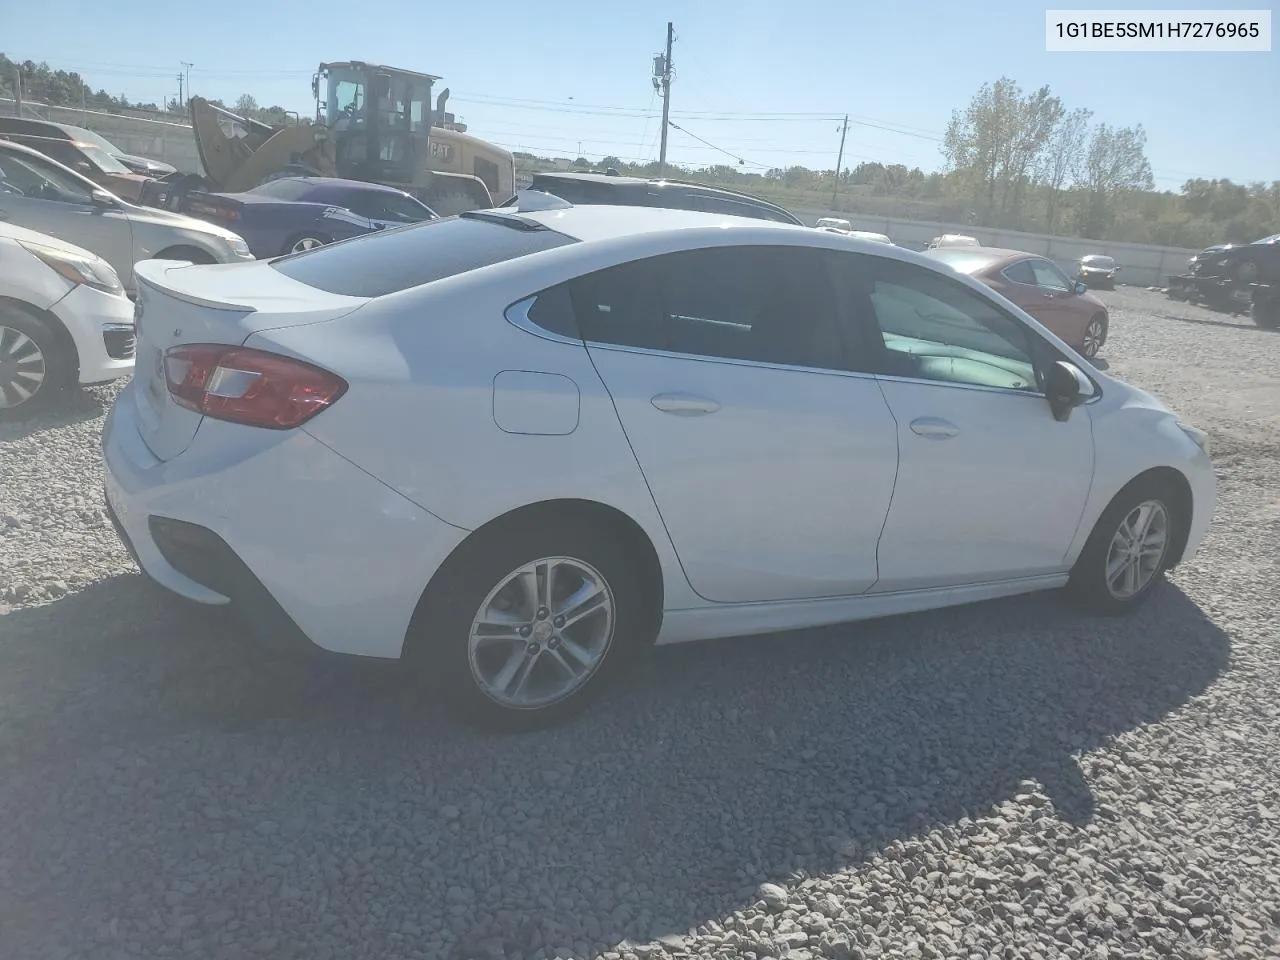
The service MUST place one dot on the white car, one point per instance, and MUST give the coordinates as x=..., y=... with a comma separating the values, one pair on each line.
x=64, y=319
x=518, y=447
x=953, y=240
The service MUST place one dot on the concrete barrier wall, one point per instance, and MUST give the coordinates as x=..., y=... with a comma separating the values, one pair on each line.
x=154, y=139
x=1140, y=264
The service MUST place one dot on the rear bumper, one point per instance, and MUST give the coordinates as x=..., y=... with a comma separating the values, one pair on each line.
x=308, y=547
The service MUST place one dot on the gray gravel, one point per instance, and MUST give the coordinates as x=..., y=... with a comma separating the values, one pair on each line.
x=1006, y=780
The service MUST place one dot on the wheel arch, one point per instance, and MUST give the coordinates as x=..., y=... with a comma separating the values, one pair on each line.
x=179, y=251
x=590, y=513
x=1183, y=504
x=65, y=340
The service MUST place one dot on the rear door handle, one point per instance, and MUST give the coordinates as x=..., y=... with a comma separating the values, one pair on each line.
x=934, y=428
x=684, y=404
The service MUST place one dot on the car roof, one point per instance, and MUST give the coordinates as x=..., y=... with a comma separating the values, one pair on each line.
x=599, y=221
x=618, y=179
x=980, y=258
x=343, y=183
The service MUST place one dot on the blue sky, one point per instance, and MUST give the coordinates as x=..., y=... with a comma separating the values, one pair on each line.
x=547, y=77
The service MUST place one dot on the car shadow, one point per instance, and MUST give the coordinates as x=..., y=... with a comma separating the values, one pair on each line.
x=711, y=768
x=77, y=405
x=1244, y=324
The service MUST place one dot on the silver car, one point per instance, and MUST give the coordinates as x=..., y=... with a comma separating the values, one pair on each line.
x=41, y=194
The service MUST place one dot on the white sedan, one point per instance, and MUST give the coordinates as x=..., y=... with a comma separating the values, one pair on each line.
x=519, y=447
x=64, y=319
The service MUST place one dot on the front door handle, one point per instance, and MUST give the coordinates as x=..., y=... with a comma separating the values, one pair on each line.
x=684, y=404
x=934, y=428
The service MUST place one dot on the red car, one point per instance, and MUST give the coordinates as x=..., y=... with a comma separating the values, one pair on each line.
x=1039, y=287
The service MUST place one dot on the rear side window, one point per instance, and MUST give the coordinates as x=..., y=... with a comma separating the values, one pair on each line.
x=381, y=263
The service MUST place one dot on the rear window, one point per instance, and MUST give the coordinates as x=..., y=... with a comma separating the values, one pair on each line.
x=381, y=263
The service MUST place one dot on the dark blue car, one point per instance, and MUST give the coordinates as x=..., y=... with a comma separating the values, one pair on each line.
x=298, y=213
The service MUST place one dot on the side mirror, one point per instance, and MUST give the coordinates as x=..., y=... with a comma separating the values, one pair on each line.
x=1066, y=387
x=82, y=166
x=1081, y=287
x=102, y=199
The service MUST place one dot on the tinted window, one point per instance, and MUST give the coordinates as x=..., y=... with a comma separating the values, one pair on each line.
x=39, y=179
x=284, y=189
x=1021, y=272
x=586, y=191
x=404, y=257
x=380, y=205
x=935, y=328
x=1049, y=277
x=767, y=304
x=710, y=203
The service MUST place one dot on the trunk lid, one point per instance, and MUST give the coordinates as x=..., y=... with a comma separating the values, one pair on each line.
x=180, y=303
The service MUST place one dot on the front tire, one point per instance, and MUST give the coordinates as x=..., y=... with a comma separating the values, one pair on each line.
x=1128, y=551
x=35, y=368
x=528, y=625
x=1266, y=315
x=304, y=242
x=1246, y=271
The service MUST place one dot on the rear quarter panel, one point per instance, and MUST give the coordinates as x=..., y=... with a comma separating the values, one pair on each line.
x=419, y=414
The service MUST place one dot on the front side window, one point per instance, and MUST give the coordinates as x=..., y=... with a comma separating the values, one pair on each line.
x=935, y=328
x=40, y=180
x=765, y=304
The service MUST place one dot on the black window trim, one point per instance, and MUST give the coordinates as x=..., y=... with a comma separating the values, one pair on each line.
x=851, y=333
x=858, y=328
x=867, y=318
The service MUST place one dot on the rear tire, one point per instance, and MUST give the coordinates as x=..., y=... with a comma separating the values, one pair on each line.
x=1266, y=315
x=1095, y=336
x=35, y=367
x=1128, y=551
x=507, y=659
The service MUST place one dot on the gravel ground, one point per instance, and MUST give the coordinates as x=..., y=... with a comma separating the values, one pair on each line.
x=1005, y=780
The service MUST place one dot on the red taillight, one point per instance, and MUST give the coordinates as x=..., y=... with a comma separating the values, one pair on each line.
x=248, y=386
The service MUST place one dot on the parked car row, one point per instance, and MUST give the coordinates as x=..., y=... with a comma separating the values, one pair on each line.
x=719, y=425
x=1235, y=277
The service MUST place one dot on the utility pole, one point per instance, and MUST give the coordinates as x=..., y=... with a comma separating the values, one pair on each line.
x=188, y=67
x=844, y=129
x=180, y=100
x=662, y=81
x=17, y=90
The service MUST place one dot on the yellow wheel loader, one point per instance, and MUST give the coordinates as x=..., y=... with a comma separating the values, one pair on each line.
x=372, y=123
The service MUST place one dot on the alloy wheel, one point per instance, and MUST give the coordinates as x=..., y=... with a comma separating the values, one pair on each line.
x=22, y=368
x=541, y=633
x=306, y=243
x=1137, y=549
x=1093, y=335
